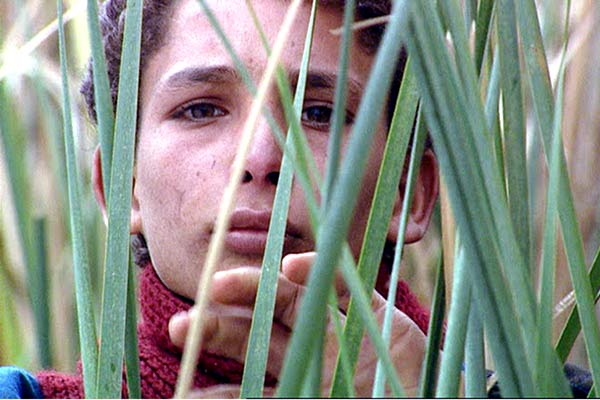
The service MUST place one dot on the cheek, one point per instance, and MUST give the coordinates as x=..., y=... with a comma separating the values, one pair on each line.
x=177, y=186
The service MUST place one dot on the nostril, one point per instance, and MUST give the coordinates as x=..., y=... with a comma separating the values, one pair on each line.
x=273, y=177
x=247, y=177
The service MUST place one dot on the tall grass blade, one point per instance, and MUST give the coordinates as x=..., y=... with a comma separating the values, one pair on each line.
x=465, y=159
x=362, y=298
x=41, y=293
x=454, y=345
x=335, y=224
x=193, y=340
x=114, y=296
x=413, y=171
x=385, y=192
x=514, y=124
x=11, y=341
x=102, y=97
x=262, y=318
x=545, y=355
x=241, y=68
x=302, y=158
x=492, y=102
x=14, y=141
x=132, y=358
x=537, y=70
x=475, y=371
x=512, y=258
x=434, y=336
x=83, y=291
x=482, y=28
x=339, y=106
x=573, y=325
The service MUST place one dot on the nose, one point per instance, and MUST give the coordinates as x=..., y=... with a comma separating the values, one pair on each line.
x=264, y=158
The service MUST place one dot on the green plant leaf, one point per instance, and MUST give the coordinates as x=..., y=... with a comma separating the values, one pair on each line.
x=413, y=171
x=262, y=318
x=114, y=298
x=85, y=312
x=513, y=119
x=434, y=335
x=454, y=345
x=132, y=357
x=543, y=104
x=102, y=97
x=573, y=325
x=475, y=371
x=335, y=224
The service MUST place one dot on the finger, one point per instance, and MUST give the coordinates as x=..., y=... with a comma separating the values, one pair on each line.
x=225, y=392
x=239, y=287
x=296, y=267
x=225, y=333
x=216, y=392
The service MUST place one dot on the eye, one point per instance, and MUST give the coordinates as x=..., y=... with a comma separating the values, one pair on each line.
x=319, y=117
x=200, y=111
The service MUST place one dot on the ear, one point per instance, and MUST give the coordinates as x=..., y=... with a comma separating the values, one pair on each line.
x=425, y=194
x=98, y=186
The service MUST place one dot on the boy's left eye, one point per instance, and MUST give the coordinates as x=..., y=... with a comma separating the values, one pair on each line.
x=319, y=117
x=200, y=111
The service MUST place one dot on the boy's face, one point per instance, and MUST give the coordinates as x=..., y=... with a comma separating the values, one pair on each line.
x=193, y=107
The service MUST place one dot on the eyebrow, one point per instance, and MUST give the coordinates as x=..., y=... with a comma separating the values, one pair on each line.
x=192, y=75
x=327, y=80
x=223, y=74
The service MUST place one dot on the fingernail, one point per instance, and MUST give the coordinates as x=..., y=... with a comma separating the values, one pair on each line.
x=178, y=317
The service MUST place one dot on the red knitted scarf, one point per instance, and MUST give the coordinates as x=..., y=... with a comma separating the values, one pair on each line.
x=159, y=358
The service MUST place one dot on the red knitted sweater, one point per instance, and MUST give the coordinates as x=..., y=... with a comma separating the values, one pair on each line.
x=159, y=358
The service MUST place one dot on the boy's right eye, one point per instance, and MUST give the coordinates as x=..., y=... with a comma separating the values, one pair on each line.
x=199, y=111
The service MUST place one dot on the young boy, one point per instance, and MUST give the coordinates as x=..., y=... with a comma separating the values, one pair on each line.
x=192, y=107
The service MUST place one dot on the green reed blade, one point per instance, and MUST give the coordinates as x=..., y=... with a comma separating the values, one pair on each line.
x=514, y=261
x=102, y=97
x=542, y=98
x=492, y=101
x=11, y=338
x=454, y=345
x=475, y=372
x=262, y=318
x=334, y=228
x=462, y=159
x=344, y=366
x=434, y=335
x=110, y=356
x=513, y=119
x=573, y=325
x=41, y=293
x=363, y=304
x=241, y=68
x=548, y=384
x=85, y=312
x=302, y=157
x=14, y=142
x=482, y=29
x=338, y=116
x=386, y=191
x=413, y=171
x=132, y=357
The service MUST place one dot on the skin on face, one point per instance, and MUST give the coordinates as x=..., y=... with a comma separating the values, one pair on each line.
x=193, y=106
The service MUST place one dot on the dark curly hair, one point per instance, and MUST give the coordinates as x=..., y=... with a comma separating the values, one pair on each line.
x=155, y=22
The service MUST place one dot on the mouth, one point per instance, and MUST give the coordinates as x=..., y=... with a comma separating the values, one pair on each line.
x=248, y=232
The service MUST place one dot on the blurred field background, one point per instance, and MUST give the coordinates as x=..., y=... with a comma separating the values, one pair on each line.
x=30, y=76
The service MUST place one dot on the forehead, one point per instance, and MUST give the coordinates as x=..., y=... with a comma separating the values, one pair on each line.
x=191, y=39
